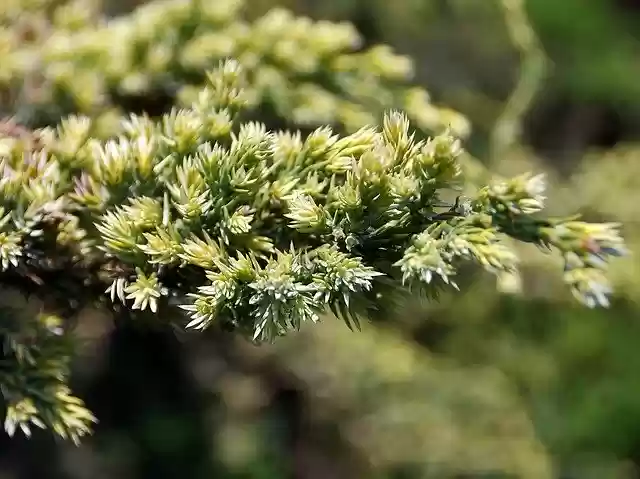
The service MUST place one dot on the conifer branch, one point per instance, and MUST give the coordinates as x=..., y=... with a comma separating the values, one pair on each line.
x=307, y=73
x=253, y=229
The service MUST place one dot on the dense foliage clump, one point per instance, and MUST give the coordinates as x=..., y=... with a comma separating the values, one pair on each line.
x=59, y=57
x=252, y=229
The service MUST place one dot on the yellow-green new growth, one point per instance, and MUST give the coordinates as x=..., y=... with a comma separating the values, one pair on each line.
x=255, y=230
x=308, y=72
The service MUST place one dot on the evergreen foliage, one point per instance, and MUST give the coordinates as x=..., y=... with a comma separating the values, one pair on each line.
x=410, y=412
x=306, y=73
x=259, y=231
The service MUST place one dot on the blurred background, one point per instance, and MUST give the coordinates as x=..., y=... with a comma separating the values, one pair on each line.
x=507, y=380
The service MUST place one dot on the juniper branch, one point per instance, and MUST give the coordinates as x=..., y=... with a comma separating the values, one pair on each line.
x=261, y=230
x=309, y=73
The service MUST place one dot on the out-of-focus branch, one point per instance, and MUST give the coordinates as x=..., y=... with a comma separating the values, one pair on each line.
x=533, y=71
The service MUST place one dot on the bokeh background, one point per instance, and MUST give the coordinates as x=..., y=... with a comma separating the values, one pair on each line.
x=507, y=380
